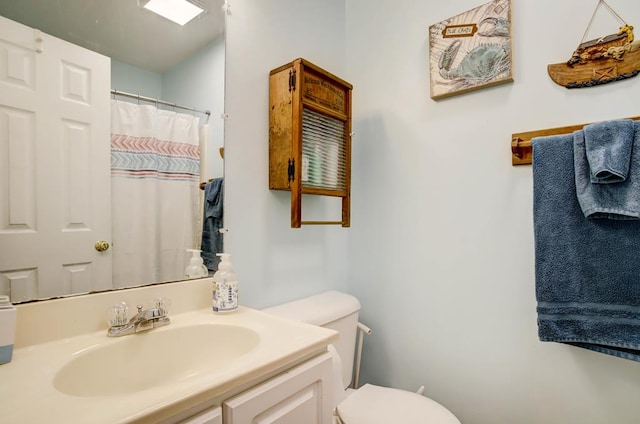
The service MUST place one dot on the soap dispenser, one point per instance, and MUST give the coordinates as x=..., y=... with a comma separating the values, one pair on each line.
x=225, y=286
x=196, y=267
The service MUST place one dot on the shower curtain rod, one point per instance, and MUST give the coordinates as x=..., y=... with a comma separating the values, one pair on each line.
x=157, y=101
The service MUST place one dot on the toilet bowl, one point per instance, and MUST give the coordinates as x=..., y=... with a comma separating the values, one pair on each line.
x=369, y=404
x=376, y=405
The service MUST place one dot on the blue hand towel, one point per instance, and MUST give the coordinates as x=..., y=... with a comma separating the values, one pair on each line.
x=608, y=146
x=611, y=201
x=586, y=270
x=212, y=239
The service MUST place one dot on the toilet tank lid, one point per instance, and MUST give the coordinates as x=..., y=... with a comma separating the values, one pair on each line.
x=319, y=309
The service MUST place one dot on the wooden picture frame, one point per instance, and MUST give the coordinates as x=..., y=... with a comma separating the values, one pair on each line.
x=472, y=50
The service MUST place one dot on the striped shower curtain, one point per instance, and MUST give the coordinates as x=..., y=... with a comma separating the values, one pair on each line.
x=156, y=209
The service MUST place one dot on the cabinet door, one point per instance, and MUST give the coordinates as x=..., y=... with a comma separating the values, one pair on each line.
x=300, y=395
x=212, y=416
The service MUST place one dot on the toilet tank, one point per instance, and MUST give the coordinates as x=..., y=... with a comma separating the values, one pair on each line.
x=335, y=310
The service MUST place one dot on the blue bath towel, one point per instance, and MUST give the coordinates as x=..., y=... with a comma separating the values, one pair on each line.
x=608, y=147
x=212, y=239
x=586, y=270
x=611, y=201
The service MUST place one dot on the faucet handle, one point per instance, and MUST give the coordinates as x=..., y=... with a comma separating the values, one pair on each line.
x=163, y=305
x=117, y=315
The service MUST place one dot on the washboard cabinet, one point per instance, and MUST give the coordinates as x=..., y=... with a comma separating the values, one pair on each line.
x=310, y=136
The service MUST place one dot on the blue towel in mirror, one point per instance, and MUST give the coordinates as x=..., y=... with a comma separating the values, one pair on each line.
x=212, y=238
x=611, y=201
x=587, y=271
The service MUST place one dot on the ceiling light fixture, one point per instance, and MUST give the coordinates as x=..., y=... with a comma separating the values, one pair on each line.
x=178, y=11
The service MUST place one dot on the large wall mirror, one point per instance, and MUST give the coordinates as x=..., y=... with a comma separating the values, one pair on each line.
x=109, y=165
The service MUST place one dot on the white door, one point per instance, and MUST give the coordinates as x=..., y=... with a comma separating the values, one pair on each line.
x=54, y=166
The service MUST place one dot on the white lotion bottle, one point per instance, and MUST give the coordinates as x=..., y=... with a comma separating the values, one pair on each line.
x=225, y=286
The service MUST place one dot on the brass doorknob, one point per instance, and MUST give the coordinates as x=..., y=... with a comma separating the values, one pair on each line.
x=101, y=246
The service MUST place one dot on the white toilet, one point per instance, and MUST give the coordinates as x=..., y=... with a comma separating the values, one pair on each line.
x=368, y=404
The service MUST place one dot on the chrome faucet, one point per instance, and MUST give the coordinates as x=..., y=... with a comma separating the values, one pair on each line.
x=144, y=320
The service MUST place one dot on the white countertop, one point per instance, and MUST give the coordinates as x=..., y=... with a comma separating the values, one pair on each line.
x=27, y=393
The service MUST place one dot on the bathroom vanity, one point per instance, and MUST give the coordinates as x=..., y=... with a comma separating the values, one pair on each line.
x=238, y=368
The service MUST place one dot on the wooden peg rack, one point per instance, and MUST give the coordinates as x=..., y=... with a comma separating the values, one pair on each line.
x=521, y=152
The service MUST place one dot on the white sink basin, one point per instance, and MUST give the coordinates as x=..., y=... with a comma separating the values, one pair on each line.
x=141, y=361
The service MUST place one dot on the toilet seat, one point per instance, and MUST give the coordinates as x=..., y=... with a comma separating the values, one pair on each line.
x=382, y=405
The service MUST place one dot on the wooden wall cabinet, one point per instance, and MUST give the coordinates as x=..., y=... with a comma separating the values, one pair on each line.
x=310, y=136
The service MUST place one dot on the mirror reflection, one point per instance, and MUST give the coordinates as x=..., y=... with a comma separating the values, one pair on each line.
x=109, y=163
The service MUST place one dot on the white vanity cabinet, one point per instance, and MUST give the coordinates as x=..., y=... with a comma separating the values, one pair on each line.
x=211, y=416
x=300, y=395
x=284, y=377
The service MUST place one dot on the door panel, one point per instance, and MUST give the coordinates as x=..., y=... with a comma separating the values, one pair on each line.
x=54, y=166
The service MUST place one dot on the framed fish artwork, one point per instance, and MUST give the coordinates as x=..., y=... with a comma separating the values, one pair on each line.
x=472, y=50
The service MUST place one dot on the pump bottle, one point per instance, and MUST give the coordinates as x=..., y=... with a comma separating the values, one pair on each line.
x=196, y=267
x=225, y=286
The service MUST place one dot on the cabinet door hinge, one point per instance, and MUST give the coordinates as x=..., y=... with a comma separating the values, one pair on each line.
x=291, y=170
x=292, y=80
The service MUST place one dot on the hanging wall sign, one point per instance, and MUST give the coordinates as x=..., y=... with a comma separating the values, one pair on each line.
x=471, y=50
x=613, y=57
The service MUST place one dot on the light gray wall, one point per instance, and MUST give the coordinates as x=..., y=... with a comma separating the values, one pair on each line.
x=199, y=82
x=441, y=249
x=131, y=79
x=275, y=263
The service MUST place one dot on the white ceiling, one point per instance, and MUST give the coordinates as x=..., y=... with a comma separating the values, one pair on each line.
x=120, y=29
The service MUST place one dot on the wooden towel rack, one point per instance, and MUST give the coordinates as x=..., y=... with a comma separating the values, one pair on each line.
x=521, y=152
x=204, y=183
